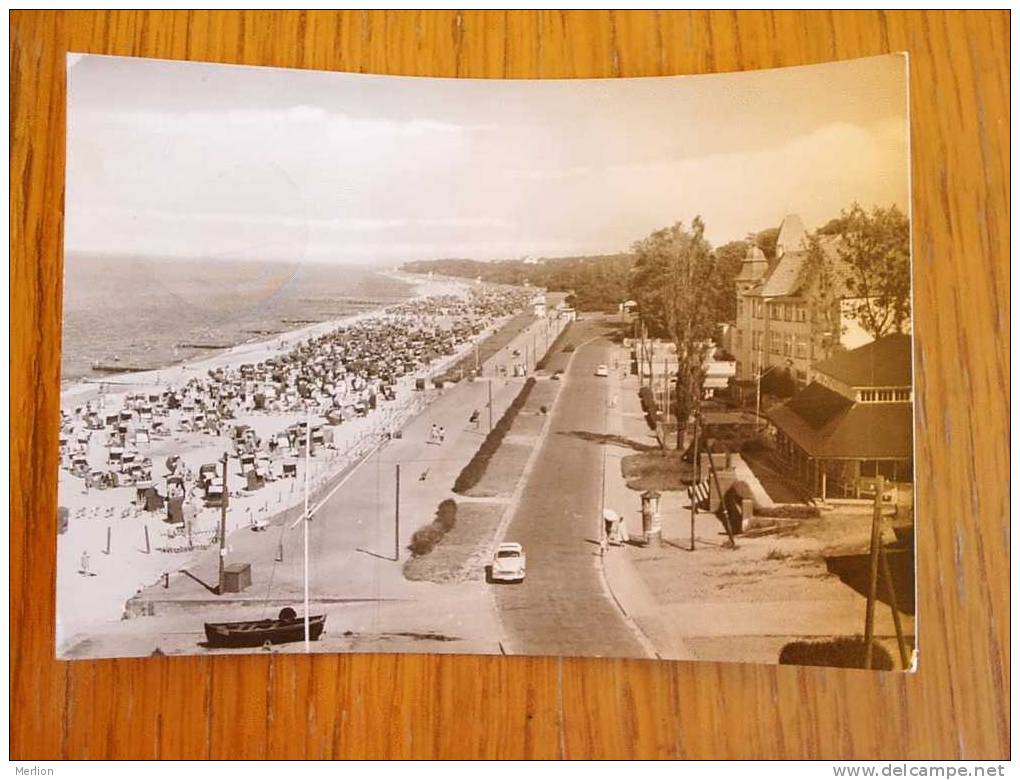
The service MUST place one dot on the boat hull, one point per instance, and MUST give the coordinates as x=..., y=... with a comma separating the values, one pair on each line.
x=256, y=633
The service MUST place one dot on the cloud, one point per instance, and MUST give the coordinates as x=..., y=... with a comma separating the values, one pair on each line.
x=118, y=214
x=204, y=159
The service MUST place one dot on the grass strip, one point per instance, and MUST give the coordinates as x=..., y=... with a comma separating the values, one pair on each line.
x=472, y=473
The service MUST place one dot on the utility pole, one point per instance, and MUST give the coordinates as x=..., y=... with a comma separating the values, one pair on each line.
x=665, y=423
x=757, y=405
x=223, y=524
x=696, y=472
x=876, y=544
x=490, y=406
x=396, y=520
x=641, y=358
x=651, y=366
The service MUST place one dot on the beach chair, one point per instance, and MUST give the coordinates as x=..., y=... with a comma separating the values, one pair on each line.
x=254, y=480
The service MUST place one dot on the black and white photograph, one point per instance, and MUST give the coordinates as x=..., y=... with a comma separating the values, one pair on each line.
x=591, y=367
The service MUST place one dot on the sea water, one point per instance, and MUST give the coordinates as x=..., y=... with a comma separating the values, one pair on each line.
x=149, y=312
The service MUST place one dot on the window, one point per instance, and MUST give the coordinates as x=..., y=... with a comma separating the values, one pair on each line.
x=884, y=395
x=801, y=313
x=775, y=343
x=788, y=345
x=787, y=309
x=801, y=348
x=740, y=306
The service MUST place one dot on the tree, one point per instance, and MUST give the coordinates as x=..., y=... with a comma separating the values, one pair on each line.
x=766, y=241
x=828, y=290
x=674, y=274
x=875, y=249
x=729, y=258
x=833, y=227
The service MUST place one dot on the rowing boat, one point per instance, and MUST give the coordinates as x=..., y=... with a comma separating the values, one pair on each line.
x=288, y=627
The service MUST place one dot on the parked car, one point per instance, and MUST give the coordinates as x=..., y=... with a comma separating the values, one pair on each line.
x=602, y=370
x=508, y=563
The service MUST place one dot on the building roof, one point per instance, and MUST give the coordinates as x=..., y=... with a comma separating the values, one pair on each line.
x=861, y=432
x=817, y=405
x=785, y=279
x=792, y=235
x=881, y=363
x=792, y=271
x=754, y=266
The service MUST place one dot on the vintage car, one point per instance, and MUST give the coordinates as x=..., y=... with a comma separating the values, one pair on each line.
x=508, y=563
x=602, y=370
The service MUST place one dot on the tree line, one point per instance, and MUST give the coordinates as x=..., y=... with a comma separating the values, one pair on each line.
x=685, y=288
x=598, y=282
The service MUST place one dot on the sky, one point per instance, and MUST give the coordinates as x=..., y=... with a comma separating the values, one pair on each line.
x=211, y=161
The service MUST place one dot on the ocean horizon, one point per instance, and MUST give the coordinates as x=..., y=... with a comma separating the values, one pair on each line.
x=139, y=312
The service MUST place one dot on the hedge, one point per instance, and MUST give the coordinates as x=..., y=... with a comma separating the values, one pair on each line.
x=424, y=540
x=472, y=473
x=649, y=406
x=788, y=511
x=554, y=347
x=845, y=652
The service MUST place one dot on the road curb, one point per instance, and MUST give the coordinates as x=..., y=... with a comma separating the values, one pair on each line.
x=643, y=639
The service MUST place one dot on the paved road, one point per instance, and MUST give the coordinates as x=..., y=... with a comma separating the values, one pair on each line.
x=352, y=571
x=562, y=607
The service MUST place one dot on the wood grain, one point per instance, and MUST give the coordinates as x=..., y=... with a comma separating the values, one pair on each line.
x=441, y=707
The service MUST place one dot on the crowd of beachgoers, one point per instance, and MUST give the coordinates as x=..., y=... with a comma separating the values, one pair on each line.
x=166, y=452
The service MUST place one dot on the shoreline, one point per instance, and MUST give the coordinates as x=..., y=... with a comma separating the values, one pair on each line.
x=357, y=583
x=140, y=552
x=83, y=389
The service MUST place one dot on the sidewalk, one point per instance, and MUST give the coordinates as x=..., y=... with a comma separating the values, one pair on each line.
x=620, y=565
x=717, y=603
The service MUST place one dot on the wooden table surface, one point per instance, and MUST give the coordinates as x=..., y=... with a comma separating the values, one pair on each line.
x=452, y=707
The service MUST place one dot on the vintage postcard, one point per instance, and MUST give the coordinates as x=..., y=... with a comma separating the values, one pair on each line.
x=366, y=364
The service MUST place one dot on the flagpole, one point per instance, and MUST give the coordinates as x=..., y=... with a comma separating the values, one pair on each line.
x=308, y=457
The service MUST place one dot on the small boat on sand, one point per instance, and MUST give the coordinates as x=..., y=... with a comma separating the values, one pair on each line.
x=288, y=627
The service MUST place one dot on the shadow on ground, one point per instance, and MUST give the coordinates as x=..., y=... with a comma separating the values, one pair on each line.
x=853, y=571
x=609, y=438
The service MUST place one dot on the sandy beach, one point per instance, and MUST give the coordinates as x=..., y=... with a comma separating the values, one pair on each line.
x=112, y=547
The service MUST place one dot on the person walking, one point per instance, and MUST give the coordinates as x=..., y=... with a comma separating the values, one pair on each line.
x=84, y=570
